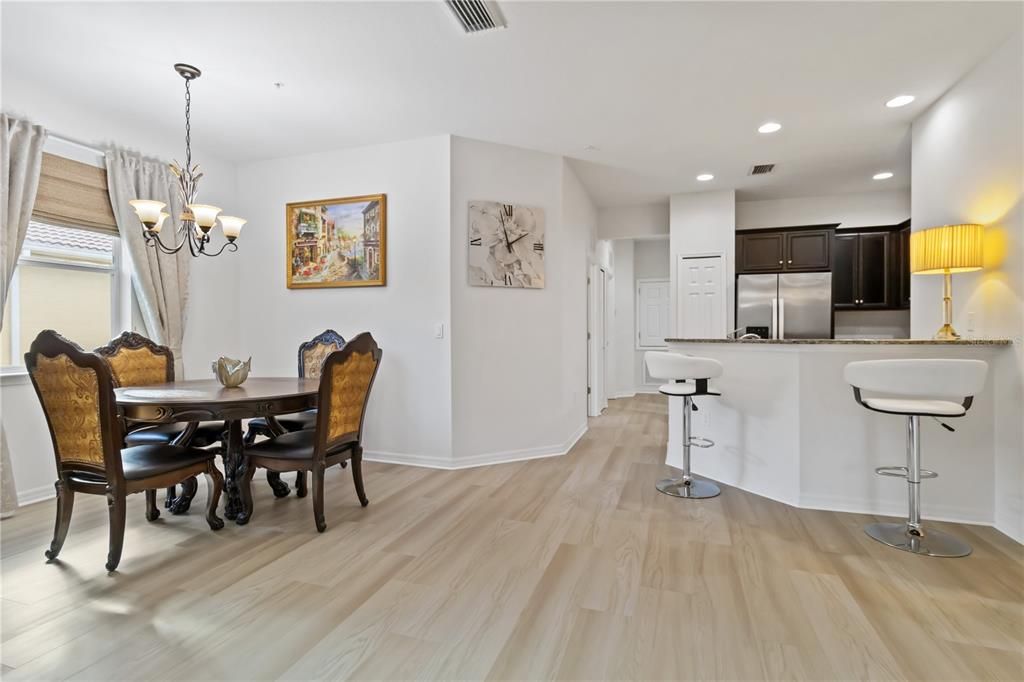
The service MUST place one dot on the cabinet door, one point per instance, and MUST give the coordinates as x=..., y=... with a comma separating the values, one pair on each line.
x=902, y=268
x=808, y=250
x=844, y=270
x=760, y=252
x=873, y=260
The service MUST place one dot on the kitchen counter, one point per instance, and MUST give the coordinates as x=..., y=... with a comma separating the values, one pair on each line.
x=787, y=427
x=855, y=342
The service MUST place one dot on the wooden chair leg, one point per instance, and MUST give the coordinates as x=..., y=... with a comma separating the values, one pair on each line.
x=244, y=484
x=300, y=484
x=152, y=513
x=357, y=476
x=318, y=496
x=65, y=503
x=117, y=508
x=214, y=486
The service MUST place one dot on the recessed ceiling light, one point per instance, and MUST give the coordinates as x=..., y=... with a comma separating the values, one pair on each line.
x=770, y=127
x=884, y=175
x=704, y=177
x=899, y=101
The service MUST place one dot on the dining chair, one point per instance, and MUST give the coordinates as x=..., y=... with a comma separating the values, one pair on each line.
x=76, y=390
x=345, y=384
x=138, y=361
x=311, y=359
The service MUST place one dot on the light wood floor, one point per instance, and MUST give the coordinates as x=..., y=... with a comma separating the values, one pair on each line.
x=571, y=567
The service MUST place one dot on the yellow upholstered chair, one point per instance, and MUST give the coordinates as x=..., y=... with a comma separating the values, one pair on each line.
x=345, y=385
x=312, y=354
x=138, y=361
x=76, y=390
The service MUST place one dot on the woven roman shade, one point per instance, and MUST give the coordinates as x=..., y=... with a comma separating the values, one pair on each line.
x=950, y=248
x=75, y=194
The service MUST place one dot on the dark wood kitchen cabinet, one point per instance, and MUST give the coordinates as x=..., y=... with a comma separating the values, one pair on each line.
x=866, y=269
x=803, y=249
x=901, y=266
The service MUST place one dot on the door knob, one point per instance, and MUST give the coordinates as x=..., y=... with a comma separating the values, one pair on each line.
x=780, y=262
x=789, y=261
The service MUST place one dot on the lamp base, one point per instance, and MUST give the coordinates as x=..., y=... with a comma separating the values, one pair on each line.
x=946, y=333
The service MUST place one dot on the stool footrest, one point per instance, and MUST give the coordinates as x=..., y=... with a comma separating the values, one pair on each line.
x=698, y=442
x=901, y=472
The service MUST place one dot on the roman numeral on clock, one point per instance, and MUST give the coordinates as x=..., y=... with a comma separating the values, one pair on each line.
x=475, y=242
x=538, y=246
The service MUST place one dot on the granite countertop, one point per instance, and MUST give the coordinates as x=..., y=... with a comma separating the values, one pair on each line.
x=856, y=342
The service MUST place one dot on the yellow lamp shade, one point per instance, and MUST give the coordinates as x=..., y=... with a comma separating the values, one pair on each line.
x=949, y=248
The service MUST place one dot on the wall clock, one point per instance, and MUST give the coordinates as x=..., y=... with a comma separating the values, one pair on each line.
x=506, y=245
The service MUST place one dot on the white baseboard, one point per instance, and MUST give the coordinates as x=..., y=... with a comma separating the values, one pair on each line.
x=617, y=396
x=485, y=459
x=935, y=512
x=33, y=495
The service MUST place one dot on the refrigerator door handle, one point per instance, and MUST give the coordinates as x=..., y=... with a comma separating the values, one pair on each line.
x=773, y=330
x=782, y=318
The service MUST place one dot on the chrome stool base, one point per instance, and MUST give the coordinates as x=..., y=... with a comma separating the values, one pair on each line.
x=696, y=489
x=932, y=543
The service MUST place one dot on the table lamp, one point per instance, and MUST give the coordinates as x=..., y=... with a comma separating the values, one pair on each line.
x=943, y=251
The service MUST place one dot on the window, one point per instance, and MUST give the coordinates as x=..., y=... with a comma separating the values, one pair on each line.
x=68, y=279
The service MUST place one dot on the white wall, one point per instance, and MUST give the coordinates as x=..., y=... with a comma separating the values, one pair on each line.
x=704, y=223
x=519, y=370
x=410, y=410
x=866, y=209
x=212, y=314
x=967, y=168
x=627, y=222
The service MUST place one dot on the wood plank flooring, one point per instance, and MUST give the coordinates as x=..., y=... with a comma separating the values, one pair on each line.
x=571, y=567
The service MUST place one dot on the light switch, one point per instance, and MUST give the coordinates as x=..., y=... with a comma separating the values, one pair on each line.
x=439, y=330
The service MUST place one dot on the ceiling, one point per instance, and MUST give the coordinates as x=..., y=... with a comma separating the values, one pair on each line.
x=664, y=91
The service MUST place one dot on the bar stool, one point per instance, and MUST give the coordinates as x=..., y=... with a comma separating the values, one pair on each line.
x=915, y=389
x=695, y=372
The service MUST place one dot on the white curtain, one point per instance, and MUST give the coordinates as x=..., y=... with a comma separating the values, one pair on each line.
x=160, y=280
x=21, y=157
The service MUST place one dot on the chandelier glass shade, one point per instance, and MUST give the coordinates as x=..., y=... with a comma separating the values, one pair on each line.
x=197, y=220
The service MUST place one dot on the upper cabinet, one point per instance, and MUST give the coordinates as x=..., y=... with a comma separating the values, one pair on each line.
x=760, y=252
x=871, y=268
x=792, y=250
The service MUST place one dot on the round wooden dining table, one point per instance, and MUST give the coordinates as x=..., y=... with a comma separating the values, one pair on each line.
x=197, y=400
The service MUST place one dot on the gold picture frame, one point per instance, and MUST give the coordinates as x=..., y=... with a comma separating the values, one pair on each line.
x=336, y=242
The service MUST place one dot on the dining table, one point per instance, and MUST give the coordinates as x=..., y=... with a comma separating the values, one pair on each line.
x=197, y=400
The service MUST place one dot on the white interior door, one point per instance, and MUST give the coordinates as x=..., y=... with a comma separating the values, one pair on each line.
x=700, y=311
x=652, y=319
x=597, y=346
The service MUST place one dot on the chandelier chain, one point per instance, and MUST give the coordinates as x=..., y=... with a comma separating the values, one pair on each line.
x=188, y=127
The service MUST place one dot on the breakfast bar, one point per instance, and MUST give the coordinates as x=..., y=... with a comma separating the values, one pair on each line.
x=786, y=426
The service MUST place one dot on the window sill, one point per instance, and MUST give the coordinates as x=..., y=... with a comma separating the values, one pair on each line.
x=13, y=376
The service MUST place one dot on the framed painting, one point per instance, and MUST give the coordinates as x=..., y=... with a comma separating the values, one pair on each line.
x=506, y=245
x=337, y=242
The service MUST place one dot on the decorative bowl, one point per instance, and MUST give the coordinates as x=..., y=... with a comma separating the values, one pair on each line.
x=230, y=372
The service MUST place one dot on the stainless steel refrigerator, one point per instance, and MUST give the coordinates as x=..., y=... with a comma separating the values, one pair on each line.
x=788, y=306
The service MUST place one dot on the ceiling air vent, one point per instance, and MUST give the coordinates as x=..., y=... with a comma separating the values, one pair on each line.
x=476, y=15
x=762, y=169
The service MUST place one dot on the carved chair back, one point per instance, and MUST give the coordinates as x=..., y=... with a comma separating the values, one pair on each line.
x=312, y=353
x=345, y=385
x=76, y=390
x=137, y=361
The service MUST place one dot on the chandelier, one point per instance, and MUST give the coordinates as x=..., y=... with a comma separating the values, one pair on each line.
x=197, y=220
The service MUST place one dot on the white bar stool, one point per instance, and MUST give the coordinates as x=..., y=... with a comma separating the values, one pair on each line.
x=696, y=372
x=915, y=389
